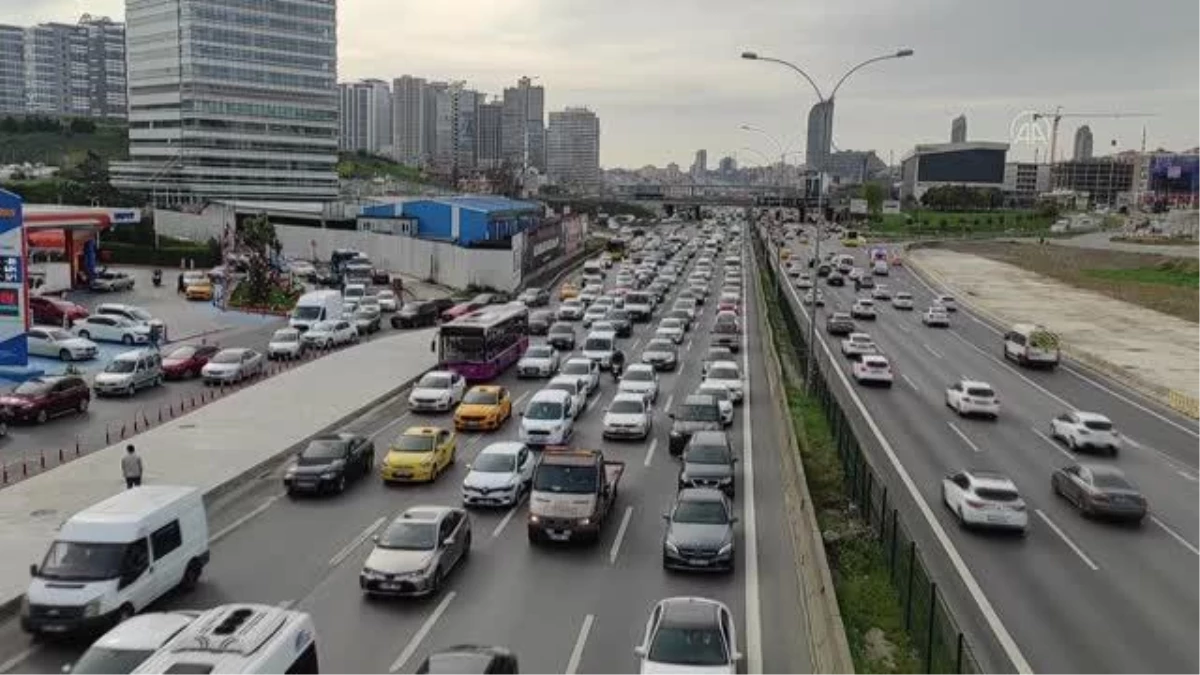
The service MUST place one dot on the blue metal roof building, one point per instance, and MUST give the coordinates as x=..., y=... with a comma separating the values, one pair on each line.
x=477, y=221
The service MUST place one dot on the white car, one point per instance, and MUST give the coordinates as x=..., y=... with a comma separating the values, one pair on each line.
x=574, y=388
x=986, y=499
x=594, y=313
x=639, y=378
x=57, y=343
x=1083, y=430
x=935, y=316
x=285, y=343
x=302, y=268
x=863, y=308
x=388, y=302
x=687, y=305
x=724, y=399
x=548, y=419
x=873, y=369
x=437, y=390
x=858, y=344
x=946, y=301
x=232, y=365
x=352, y=294
x=804, y=282
x=571, y=310
x=499, y=475
x=106, y=328
x=132, y=642
x=881, y=292
x=815, y=295
x=628, y=416
x=728, y=375
x=902, y=300
x=670, y=329
x=689, y=635
x=584, y=369
x=329, y=334
x=538, y=361
x=971, y=397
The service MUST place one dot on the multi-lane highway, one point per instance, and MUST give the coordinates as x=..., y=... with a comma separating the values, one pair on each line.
x=1076, y=595
x=575, y=609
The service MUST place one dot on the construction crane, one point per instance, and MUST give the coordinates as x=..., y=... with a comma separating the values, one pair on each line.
x=1058, y=114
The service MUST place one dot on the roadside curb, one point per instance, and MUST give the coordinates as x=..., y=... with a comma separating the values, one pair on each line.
x=829, y=648
x=1177, y=401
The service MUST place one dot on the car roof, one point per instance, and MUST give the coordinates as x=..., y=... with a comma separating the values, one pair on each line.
x=422, y=431
x=427, y=513
x=555, y=395
x=628, y=396
x=502, y=448
x=1090, y=416
x=723, y=362
x=866, y=336
x=687, y=612
x=487, y=388
x=988, y=478
x=710, y=437
x=145, y=631
x=975, y=383
x=640, y=367
x=700, y=494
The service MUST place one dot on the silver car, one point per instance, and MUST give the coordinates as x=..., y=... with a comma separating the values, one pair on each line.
x=538, y=361
x=417, y=551
x=232, y=365
x=57, y=343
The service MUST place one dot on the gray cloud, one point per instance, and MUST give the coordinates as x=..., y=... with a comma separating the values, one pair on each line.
x=665, y=78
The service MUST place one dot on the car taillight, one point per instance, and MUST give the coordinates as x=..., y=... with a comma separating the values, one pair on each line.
x=1017, y=507
x=974, y=503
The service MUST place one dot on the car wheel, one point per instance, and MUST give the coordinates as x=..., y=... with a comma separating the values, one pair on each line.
x=467, y=547
x=64, y=355
x=191, y=576
x=84, y=334
x=127, y=339
x=341, y=484
x=130, y=391
x=42, y=416
x=438, y=578
x=1072, y=444
x=125, y=613
x=82, y=406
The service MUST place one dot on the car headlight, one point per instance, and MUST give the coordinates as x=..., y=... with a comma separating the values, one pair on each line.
x=369, y=573
x=670, y=546
x=329, y=475
x=92, y=608
x=726, y=549
x=584, y=522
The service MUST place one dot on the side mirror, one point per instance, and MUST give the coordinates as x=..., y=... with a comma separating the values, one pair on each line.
x=433, y=345
x=375, y=539
x=671, y=415
x=448, y=541
x=639, y=651
x=468, y=466
x=666, y=516
x=734, y=520
x=33, y=569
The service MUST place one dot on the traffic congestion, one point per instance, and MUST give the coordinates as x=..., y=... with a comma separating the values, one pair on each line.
x=559, y=432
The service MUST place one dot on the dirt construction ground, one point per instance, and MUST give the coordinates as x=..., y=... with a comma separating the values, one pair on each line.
x=1105, y=319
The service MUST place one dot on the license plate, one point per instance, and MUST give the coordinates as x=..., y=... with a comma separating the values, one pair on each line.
x=389, y=587
x=559, y=536
x=305, y=484
x=700, y=563
x=397, y=474
x=54, y=628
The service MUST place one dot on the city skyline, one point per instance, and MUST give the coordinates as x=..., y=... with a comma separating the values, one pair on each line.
x=662, y=98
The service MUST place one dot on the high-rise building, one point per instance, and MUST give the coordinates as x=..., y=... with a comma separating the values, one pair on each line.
x=466, y=129
x=573, y=148
x=523, y=131
x=700, y=164
x=727, y=165
x=232, y=100
x=75, y=69
x=853, y=167
x=1103, y=180
x=105, y=57
x=820, y=134
x=958, y=129
x=365, y=117
x=12, y=69
x=1083, y=144
x=408, y=120
x=490, y=151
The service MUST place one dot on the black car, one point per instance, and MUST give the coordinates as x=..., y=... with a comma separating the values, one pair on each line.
x=328, y=462
x=699, y=531
x=839, y=323
x=864, y=281
x=381, y=277
x=823, y=270
x=835, y=278
x=469, y=659
x=697, y=413
x=539, y=322
x=708, y=462
x=621, y=321
x=420, y=313
x=561, y=336
x=1100, y=490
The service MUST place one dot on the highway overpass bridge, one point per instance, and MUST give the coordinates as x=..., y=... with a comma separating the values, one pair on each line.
x=683, y=196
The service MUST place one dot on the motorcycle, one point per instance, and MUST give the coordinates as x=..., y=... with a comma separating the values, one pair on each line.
x=157, y=278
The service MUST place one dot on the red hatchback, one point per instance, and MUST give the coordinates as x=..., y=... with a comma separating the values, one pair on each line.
x=51, y=311
x=186, y=361
x=41, y=398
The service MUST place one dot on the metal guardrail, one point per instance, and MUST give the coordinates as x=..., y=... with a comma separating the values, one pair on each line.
x=936, y=631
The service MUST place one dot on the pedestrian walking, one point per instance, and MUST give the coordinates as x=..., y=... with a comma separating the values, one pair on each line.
x=180, y=287
x=131, y=467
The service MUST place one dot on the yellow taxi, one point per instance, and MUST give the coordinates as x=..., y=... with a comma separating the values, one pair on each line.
x=568, y=291
x=197, y=286
x=785, y=253
x=853, y=239
x=420, y=454
x=485, y=406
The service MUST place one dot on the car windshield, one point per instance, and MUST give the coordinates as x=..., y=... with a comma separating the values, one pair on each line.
x=58, y=334
x=700, y=511
x=434, y=381
x=407, y=535
x=627, y=407
x=997, y=494
x=323, y=327
x=324, y=448
x=1111, y=480
x=182, y=354
x=696, y=412
x=539, y=352
x=366, y=312
x=138, y=313
x=495, y=462
x=32, y=388
x=286, y=336
x=638, y=375
x=562, y=478
x=981, y=392
x=687, y=646
x=707, y=454
x=105, y=660
x=577, y=368
x=79, y=561
x=660, y=346
x=413, y=443
x=121, y=366
x=723, y=373
x=226, y=357
x=1098, y=425
x=544, y=410
x=306, y=312
x=561, y=328
x=597, y=345
x=478, y=397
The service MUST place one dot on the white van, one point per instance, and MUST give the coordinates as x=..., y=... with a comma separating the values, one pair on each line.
x=600, y=346
x=112, y=559
x=316, y=306
x=352, y=294
x=240, y=638
x=594, y=267
x=548, y=419
x=1031, y=345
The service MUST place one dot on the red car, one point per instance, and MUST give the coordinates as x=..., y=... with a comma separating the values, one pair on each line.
x=185, y=362
x=460, y=309
x=730, y=302
x=41, y=398
x=51, y=311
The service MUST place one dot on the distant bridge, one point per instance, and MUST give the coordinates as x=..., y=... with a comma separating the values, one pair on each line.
x=704, y=195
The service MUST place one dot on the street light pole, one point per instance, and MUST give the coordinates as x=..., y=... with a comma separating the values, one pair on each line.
x=827, y=114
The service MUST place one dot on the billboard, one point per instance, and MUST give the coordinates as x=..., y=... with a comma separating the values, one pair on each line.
x=1175, y=174
x=891, y=206
x=977, y=165
x=574, y=233
x=858, y=207
x=13, y=309
x=542, y=246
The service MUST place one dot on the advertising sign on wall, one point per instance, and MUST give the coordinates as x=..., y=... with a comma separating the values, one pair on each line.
x=574, y=233
x=543, y=245
x=13, y=351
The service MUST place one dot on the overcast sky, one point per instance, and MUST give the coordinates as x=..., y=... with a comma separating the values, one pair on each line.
x=665, y=76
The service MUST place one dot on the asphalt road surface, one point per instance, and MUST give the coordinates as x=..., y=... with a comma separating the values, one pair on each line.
x=573, y=609
x=1077, y=595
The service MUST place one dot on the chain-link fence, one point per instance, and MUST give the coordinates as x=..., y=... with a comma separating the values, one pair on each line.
x=940, y=643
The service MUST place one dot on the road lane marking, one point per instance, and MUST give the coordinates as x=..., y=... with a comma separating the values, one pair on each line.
x=670, y=400
x=1178, y=537
x=507, y=517
x=580, y=642
x=1007, y=643
x=521, y=398
x=379, y=432
x=753, y=607
x=18, y=658
x=592, y=404
x=1187, y=476
x=650, y=452
x=689, y=346
x=258, y=510
x=616, y=545
x=931, y=351
x=340, y=557
x=963, y=436
x=1062, y=535
x=634, y=345
x=910, y=382
x=1054, y=444
x=415, y=642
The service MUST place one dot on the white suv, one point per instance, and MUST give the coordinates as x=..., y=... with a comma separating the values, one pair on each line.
x=971, y=397
x=1080, y=430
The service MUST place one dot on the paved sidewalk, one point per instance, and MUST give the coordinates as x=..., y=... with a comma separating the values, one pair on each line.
x=212, y=447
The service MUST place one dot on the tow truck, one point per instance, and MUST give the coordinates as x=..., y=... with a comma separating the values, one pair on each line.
x=573, y=494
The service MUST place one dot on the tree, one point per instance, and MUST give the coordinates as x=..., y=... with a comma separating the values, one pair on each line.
x=88, y=182
x=873, y=193
x=255, y=237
